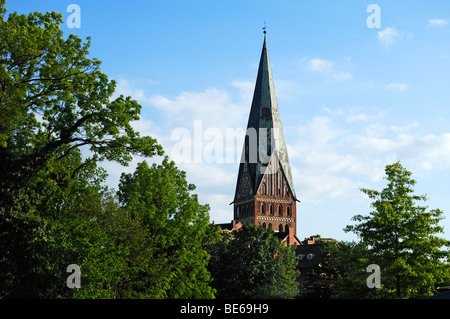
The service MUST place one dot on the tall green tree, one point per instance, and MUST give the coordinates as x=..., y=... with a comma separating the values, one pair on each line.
x=161, y=199
x=54, y=101
x=402, y=237
x=253, y=263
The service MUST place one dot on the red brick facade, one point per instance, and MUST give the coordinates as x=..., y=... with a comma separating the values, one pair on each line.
x=273, y=205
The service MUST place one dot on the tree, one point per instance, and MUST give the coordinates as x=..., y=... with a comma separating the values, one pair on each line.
x=401, y=236
x=160, y=198
x=253, y=263
x=54, y=101
x=343, y=272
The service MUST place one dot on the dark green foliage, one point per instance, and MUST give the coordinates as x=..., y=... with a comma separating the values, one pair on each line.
x=55, y=211
x=159, y=198
x=401, y=236
x=252, y=263
x=342, y=273
x=25, y=262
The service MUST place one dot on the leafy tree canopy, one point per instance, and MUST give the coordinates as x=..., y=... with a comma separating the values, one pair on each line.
x=401, y=235
x=160, y=198
x=59, y=120
x=253, y=263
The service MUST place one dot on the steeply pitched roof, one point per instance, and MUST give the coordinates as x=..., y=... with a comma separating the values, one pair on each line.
x=265, y=118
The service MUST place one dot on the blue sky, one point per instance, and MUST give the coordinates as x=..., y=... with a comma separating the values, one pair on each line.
x=352, y=98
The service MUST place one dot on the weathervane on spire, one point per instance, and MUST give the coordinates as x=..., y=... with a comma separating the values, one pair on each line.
x=264, y=28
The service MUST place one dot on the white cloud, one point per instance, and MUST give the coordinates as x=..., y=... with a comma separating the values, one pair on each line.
x=342, y=76
x=320, y=65
x=434, y=150
x=437, y=22
x=128, y=87
x=356, y=117
x=334, y=158
x=356, y=114
x=286, y=90
x=339, y=112
x=215, y=107
x=404, y=128
x=396, y=86
x=326, y=67
x=388, y=36
x=317, y=187
x=245, y=90
x=391, y=36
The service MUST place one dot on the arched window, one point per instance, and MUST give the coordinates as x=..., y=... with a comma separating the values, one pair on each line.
x=288, y=211
x=263, y=189
x=286, y=228
x=280, y=228
x=263, y=209
x=280, y=210
x=264, y=225
x=270, y=226
x=271, y=209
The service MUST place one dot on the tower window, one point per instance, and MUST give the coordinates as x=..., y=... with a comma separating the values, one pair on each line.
x=280, y=228
x=288, y=211
x=263, y=209
x=271, y=209
x=280, y=210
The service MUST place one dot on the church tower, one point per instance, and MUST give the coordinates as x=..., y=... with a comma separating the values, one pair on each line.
x=265, y=192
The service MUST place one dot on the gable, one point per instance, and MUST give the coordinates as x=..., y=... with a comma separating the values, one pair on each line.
x=274, y=181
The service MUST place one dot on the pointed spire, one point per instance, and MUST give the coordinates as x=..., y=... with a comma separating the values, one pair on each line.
x=265, y=121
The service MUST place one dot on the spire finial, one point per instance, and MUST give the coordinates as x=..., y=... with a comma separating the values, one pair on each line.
x=265, y=28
